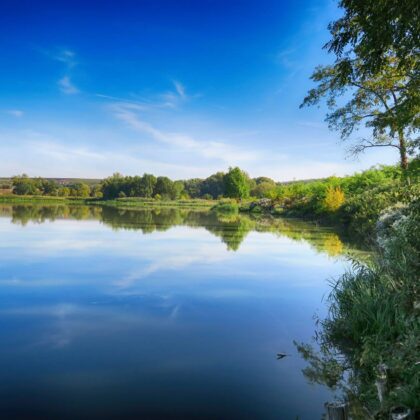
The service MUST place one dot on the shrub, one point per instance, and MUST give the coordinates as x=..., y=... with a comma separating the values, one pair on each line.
x=334, y=199
x=226, y=206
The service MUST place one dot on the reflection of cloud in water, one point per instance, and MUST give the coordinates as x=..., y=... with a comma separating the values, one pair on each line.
x=189, y=257
x=202, y=255
x=231, y=231
x=67, y=322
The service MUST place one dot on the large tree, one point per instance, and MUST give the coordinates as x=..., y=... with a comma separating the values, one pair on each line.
x=23, y=185
x=236, y=183
x=147, y=185
x=213, y=185
x=369, y=29
x=375, y=78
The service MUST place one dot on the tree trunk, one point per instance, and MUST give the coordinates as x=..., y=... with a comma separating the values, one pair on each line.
x=403, y=150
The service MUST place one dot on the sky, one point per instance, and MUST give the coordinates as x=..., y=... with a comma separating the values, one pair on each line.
x=180, y=88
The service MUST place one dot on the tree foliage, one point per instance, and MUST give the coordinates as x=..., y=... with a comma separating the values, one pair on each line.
x=369, y=29
x=214, y=185
x=23, y=185
x=374, y=81
x=236, y=183
x=334, y=198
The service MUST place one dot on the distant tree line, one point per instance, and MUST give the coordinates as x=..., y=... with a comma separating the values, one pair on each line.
x=311, y=197
x=233, y=184
x=24, y=185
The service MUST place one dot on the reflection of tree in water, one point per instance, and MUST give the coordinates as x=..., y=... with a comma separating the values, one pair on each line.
x=145, y=220
x=24, y=213
x=231, y=229
x=322, y=239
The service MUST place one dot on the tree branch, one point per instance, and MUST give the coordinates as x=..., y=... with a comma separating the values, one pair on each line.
x=352, y=82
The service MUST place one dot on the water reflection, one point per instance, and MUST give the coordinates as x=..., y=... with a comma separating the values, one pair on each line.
x=231, y=229
x=112, y=313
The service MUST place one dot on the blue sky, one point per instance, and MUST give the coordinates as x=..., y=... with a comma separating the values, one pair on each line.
x=178, y=88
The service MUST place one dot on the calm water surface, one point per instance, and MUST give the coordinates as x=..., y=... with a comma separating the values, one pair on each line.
x=109, y=313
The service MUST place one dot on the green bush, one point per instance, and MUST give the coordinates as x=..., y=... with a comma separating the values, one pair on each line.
x=226, y=206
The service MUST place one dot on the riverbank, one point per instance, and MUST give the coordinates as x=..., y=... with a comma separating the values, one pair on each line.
x=119, y=202
x=369, y=347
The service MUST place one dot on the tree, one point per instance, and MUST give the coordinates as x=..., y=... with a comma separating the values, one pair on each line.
x=64, y=192
x=262, y=179
x=375, y=102
x=164, y=187
x=112, y=185
x=147, y=185
x=213, y=185
x=236, y=184
x=263, y=189
x=177, y=189
x=80, y=190
x=193, y=187
x=95, y=191
x=377, y=63
x=370, y=29
x=48, y=187
x=23, y=185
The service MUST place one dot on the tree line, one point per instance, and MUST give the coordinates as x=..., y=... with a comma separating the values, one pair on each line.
x=24, y=185
x=235, y=183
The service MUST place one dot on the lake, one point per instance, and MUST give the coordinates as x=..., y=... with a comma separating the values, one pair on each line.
x=159, y=314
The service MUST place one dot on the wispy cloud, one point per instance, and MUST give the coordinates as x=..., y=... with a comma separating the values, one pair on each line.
x=170, y=99
x=49, y=154
x=177, y=96
x=130, y=114
x=207, y=254
x=285, y=57
x=179, y=87
x=66, y=56
x=15, y=112
x=66, y=86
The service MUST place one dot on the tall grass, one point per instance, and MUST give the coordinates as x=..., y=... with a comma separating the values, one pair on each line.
x=374, y=324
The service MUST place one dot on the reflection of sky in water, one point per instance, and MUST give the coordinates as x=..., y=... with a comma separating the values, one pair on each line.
x=167, y=324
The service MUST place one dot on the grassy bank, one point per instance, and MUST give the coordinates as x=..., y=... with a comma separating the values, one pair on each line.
x=370, y=347
x=120, y=202
x=149, y=203
x=43, y=199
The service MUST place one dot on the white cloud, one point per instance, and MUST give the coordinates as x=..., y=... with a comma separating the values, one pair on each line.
x=50, y=156
x=171, y=99
x=68, y=58
x=180, y=89
x=174, y=98
x=63, y=55
x=15, y=112
x=66, y=86
x=230, y=155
